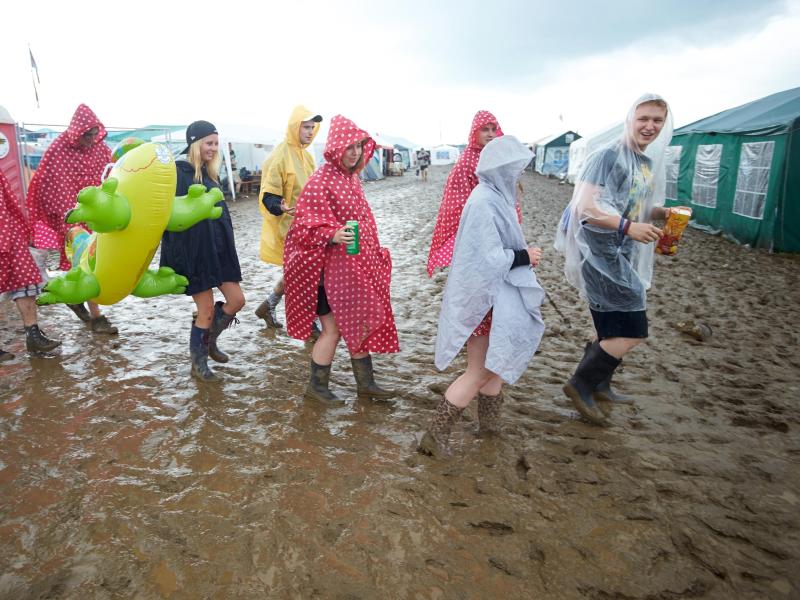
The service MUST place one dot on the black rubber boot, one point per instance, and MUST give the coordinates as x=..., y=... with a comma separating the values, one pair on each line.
x=36, y=341
x=436, y=441
x=266, y=311
x=365, y=379
x=596, y=366
x=604, y=393
x=4, y=356
x=81, y=311
x=489, y=413
x=220, y=323
x=318, y=385
x=198, y=350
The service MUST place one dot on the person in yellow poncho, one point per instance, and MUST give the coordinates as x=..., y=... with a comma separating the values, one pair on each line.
x=283, y=175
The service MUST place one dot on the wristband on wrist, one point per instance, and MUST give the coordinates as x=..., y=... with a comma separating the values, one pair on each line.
x=627, y=226
x=621, y=226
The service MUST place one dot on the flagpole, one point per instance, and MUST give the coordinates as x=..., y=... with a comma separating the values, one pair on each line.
x=34, y=71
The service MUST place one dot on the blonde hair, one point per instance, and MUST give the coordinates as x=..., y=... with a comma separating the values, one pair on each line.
x=658, y=102
x=196, y=160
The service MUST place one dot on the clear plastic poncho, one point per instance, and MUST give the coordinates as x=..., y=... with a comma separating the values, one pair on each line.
x=481, y=277
x=612, y=271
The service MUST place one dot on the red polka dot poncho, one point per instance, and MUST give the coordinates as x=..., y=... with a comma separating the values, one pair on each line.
x=66, y=169
x=357, y=286
x=460, y=183
x=17, y=268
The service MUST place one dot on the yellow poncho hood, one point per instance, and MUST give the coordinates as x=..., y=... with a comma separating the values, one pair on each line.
x=284, y=173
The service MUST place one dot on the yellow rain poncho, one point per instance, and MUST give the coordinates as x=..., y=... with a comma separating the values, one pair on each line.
x=284, y=173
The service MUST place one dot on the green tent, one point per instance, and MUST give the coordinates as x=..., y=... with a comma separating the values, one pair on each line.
x=145, y=133
x=739, y=170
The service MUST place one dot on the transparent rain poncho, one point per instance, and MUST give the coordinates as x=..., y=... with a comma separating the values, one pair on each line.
x=612, y=271
x=481, y=277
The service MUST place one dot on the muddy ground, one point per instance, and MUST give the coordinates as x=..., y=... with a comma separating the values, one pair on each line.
x=122, y=477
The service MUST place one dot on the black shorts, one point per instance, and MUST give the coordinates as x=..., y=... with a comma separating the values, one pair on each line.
x=620, y=324
x=323, y=308
x=423, y=167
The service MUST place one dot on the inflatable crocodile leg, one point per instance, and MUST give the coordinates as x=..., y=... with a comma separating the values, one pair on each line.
x=158, y=283
x=194, y=207
x=74, y=287
x=101, y=208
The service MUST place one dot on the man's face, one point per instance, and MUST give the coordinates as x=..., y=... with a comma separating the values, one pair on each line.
x=306, y=132
x=88, y=137
x=648, y=121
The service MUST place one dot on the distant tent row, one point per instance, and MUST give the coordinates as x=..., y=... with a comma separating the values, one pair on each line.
x=552, y=153
x=740, y=172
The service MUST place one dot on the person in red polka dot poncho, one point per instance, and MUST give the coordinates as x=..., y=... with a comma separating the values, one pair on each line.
x=460, y=183
x=76, y=159
x=19, y=272
x=350, y=293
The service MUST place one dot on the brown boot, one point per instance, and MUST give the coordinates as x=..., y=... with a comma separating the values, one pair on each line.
x=489, y=413
x=102, y=325
x=436, y=441
x=81, y=312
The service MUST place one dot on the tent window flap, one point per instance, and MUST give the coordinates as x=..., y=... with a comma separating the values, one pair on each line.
x=752, y=180
x=673, y=165
x=706, y=175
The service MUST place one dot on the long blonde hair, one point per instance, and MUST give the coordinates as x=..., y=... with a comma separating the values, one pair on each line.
x=196, y=160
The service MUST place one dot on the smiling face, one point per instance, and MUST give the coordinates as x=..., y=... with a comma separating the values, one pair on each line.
x=352, y=154
x=648, y=121
x=209, y=147
x=487, y=133
x=306, y=132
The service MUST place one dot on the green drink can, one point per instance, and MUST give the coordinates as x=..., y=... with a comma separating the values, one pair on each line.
x=353, y=247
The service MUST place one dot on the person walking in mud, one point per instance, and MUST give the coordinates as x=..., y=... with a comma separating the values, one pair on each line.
x=460, y=183
x=607, y=237
x=205, y=253
x=76, y=159
x=423, y=162
x=491, y=299
x=334, y=275
x=20, y=274
x=283, y=175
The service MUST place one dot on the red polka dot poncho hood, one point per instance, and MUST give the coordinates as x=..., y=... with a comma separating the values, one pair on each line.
x=66, y=169
x=460, y=183
x=357, y=286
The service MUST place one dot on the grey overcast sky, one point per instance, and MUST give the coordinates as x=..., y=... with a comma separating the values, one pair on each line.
x=417, y=69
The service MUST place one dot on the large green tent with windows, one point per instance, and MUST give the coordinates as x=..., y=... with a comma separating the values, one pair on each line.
x=739, y=170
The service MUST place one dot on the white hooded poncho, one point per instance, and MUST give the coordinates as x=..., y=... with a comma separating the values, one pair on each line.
x=481, y=277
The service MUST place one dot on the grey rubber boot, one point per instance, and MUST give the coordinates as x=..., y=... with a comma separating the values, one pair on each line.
x=365, y=379
x=436, y=441
x=489, y=413
x=266, y=311
x=219, y=324
x=101, y=324
x=36, y=341
x=595, y=367
x=198, y=351
x=81, y=311
x=318, y=385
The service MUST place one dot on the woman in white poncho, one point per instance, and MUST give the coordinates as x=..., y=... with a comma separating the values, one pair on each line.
x=607, y=237
x=491, y=300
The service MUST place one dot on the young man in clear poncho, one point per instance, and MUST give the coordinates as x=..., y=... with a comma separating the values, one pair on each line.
x=491, y=299
x=607, y=237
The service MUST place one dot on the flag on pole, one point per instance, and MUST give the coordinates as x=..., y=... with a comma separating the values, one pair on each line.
x=34, y=76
